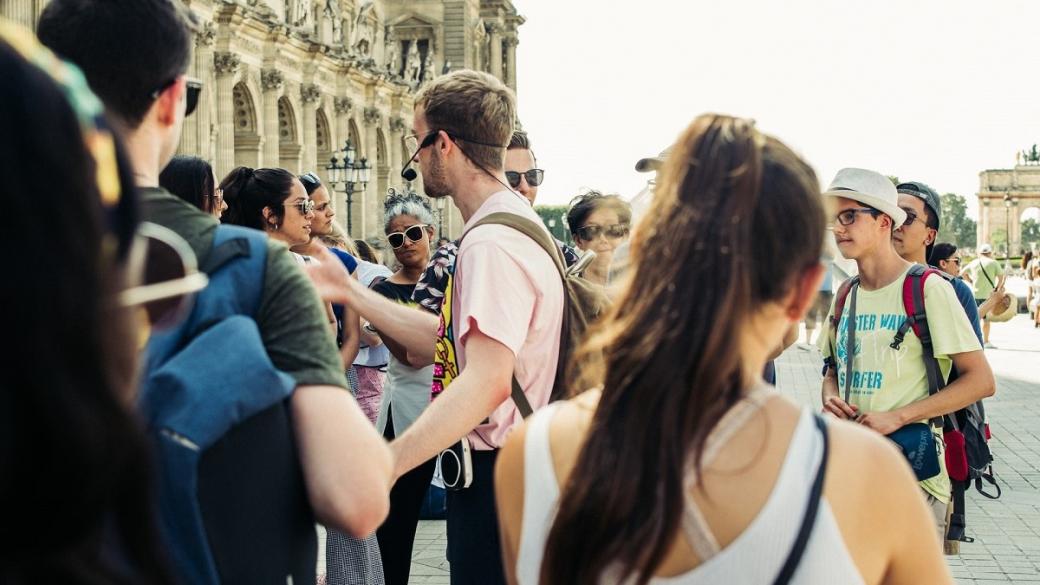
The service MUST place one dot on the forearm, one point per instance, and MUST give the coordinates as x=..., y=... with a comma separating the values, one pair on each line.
x=829, y=386
x=967, y=389
x=458, y=410
x=351, y=337
x=414, y=330
x=346, y=464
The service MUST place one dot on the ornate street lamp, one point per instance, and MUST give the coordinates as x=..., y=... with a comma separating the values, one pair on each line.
x=348, y=176
x=440, y=216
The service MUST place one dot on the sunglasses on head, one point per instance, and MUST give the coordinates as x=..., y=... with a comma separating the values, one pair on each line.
x=310, y=179
x=591, y=232
x=163, y=276
x=414, y=234
x=533, y=177
x=194, y=89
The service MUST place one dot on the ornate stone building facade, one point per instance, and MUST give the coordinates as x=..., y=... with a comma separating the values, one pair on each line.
x=287, y=82
x=1004, y=195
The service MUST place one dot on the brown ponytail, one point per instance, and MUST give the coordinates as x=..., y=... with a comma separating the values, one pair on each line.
x=735, y=218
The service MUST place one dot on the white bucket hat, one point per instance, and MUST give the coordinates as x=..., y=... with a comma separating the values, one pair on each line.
x=869, y=188
x=985, y=249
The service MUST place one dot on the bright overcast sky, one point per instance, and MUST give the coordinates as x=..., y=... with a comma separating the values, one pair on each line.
x=927, y=90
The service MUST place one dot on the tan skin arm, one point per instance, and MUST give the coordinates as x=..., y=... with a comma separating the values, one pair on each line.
x=915, y=552
x=346, y=465
x=481, y=387
x=509, y=498
x=994, y=297
x=414, y=330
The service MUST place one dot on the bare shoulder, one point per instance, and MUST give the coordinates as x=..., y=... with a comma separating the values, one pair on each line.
x=860, y=450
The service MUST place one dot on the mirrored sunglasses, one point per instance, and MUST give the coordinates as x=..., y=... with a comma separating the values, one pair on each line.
x=163, y=276
x=591, y=232
x=533, y=177
x=414, y=234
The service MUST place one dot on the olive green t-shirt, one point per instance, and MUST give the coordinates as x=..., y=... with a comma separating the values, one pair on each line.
x=291, y=319
x=885, y=379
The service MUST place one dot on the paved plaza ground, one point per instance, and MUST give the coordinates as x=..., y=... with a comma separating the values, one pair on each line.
x=1006, y=531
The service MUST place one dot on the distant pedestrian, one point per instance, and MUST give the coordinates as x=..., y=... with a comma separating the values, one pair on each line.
x=982, y=273
x=191, y=178
x=599, y=223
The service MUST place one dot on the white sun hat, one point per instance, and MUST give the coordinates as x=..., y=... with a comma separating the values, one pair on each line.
x=869, y=188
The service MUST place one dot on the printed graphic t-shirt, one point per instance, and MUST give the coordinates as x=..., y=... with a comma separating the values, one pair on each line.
x=885, y=379
x=504, y=285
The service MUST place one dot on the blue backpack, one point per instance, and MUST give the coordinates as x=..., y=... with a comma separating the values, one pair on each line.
x=232, y=502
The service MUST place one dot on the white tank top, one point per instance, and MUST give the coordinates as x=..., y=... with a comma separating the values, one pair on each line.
x=754, y=557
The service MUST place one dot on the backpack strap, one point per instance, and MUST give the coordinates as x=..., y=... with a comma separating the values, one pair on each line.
x=231, y=243
x=839, y=306
x=541, y=237
x=917, y=319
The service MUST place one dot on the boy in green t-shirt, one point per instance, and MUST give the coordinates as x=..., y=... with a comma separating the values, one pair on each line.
x=889, y=387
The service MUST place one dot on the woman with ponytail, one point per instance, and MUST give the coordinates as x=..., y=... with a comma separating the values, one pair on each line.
x=682, y=466
x=272, y=200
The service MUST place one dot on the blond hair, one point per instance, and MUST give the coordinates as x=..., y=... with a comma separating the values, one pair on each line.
x=474, y=108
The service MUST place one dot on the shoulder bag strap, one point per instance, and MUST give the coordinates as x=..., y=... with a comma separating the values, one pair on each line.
x=794, y=558
x=850, y=340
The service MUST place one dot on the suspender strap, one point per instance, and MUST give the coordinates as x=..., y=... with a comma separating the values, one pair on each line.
x=794, y=558
x=850, y=341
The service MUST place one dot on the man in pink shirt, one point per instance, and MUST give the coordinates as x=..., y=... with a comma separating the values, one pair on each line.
x=502, y=312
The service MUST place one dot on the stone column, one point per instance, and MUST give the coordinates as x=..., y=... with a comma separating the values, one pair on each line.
x=271, y=81
x=225, y=65
x=511, y=42
x=22, y=12
x=397, y=154
x=196, y=126
x=373, y=118
x=495, y=54
x=342, y=106
x=310, y=94
x=982, y=232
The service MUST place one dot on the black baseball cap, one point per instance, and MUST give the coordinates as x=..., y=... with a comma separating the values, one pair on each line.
x=924, y=193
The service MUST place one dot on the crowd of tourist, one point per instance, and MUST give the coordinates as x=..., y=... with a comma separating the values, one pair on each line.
x=216, y=367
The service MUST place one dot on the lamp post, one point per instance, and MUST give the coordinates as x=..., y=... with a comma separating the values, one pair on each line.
x=440, y=216
x=349, y=176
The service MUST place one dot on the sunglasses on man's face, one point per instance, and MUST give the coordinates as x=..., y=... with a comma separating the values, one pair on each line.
x=612, y=232
x=191, y=100
x=414, y=234
x=911, y=217
x=533, y=177
x=954, y=260
x=163, y=276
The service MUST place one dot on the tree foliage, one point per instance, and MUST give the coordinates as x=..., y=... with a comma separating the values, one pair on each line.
x=956, y=226
x=554, y=218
